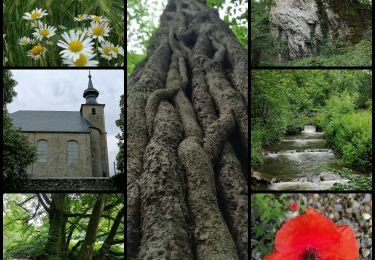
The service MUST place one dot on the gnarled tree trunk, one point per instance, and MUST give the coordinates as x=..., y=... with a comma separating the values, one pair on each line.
x=55, y=245
x=187, y=141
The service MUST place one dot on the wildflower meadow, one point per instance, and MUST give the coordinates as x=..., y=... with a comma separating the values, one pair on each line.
x=63, y=33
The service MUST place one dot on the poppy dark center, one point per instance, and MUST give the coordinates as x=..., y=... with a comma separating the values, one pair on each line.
x=311, y=254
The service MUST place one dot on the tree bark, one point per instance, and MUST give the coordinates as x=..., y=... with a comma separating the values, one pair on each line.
x=55, y=245
x=86, y=251
x=187, y=141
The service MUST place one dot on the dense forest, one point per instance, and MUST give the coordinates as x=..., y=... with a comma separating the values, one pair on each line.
x=340, y=101
x=311, y=33
x=63, y=226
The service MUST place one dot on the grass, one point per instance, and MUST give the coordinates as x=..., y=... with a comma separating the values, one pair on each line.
x=357, y=55
x=59, y=13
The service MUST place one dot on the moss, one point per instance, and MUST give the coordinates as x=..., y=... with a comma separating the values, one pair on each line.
x=323, y=19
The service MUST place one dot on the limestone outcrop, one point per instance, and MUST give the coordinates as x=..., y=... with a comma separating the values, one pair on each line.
x=303, y=25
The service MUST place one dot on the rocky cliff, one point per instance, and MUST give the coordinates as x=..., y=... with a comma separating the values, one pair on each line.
x=303, y=25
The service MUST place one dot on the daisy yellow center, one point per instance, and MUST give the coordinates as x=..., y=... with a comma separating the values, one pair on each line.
x=82, y=61
x=80, y=17
x=115, y=49
x=106, y=50
x=98, y=31
x=44, y=32
x=35, y=15
x=96, y=18
x=37, y=50
x=75, y=46
x=24, y=41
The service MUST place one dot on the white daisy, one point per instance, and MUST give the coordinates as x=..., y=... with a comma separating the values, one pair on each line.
x=105, y=50
x=35, y=14
x=44, y=31
x=24, y=40
x=84, y=31
x=36, y=52
x=75, y=45
x=117, y=50
x=81, y=18
x=99, y=30
x=83, y=61
x=36, y=23
x=96, y=18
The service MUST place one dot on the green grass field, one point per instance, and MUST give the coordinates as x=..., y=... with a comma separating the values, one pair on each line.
x=60, y=13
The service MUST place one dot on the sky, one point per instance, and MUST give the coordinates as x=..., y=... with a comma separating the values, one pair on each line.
x=62, y=90
x=156, y=7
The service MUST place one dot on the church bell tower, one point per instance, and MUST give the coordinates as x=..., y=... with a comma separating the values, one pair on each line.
x=94, y=114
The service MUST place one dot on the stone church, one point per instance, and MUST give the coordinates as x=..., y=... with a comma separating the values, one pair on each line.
x=68, y=143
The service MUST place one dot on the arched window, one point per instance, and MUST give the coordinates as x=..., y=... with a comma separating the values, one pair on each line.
x=42, y=151
x=72, y=152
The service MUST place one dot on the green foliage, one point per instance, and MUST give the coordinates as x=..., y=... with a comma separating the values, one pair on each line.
x=280, y=100
x=18, y=152
x=121, y=136
x=357, y=182
x=32, y=248
x=338, y=55
x=132, y=60
x=347, y=130
x=26, y=224
x=261, y=37
x=268, y=211
x=351, y=135
x=60, y=13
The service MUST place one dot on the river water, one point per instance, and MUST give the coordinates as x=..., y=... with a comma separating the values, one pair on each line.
x=299, y=162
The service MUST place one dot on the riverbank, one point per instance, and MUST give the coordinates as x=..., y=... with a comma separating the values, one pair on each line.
x=304, y=162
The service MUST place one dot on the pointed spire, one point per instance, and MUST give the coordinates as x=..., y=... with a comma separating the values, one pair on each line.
x=90, y=94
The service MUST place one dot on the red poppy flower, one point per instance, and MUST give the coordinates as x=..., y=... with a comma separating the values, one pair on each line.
x=294, y=206
x=312, y=236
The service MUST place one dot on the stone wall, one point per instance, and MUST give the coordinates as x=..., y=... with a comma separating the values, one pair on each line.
x=56, y=165
x=103, y=184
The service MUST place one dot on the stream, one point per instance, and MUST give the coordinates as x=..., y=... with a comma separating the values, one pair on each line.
x=298, y=162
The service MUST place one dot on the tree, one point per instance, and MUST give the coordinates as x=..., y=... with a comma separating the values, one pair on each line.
x=55, y=245
x=120, y=123
x=18, y=152
x=64, y=226
x=187, y=140
x=87, y=245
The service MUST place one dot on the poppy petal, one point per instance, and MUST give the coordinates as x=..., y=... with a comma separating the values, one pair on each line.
x=277, y=256
x=274, y=256
x=346, y=249
x=311, y=230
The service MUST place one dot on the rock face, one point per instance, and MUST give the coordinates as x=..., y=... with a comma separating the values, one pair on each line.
x=303, y=25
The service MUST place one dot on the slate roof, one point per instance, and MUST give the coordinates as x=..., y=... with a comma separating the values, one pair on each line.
x=50, y=121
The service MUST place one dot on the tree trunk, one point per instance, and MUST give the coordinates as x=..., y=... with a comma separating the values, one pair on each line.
x=187, y=141
x=55, y=245
x=108, y=242
x=90, y=238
